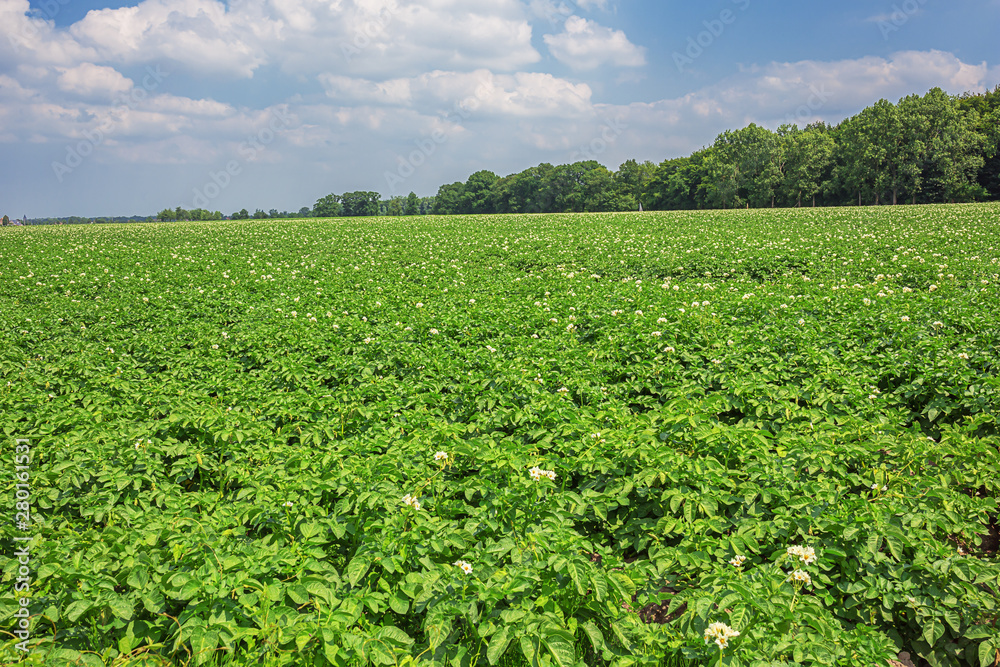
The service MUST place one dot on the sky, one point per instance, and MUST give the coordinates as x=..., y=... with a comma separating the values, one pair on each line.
x=110, y=107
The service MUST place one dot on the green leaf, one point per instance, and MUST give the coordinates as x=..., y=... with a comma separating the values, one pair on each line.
x=953, y=619
x=560, y=644
x=298, y=593
x=740, y=618
x=599, y=585
x=203, y=644
x=530, y=648
x=989, y=653
x=895, y=545
x=594, y=634
x=933, y=631
x=398, y=603
x=394, y=635
x=575, y=576
x=980, y=632
x=121, y=608
x=357, y=568
x=331, y=650
x=498, y=644
x=76, y=610
x=874, y=543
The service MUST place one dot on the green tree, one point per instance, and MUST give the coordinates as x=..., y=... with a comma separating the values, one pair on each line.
x=243, y=214
x=449, y=199
x=305, y=212
x=476, y=196
x=360, y=203
x=395, y=206
x=987, y=109
x=327, y=207
x=722, y=177
x=858, y=157
x=632, y=178
x=809, y=157
x=412, y=204
x=950, y=147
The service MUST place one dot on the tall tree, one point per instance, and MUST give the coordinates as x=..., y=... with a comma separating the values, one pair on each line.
x=412, y=204
x=360, y=203
x=327, y=207
x=809, y=156
x=394, y=207
x=475, y=196
x=449, y=199
x=632, y=178
x=859, y=157
x=951, y=148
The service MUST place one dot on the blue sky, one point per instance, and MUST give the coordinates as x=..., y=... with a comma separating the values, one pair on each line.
x=121, y=108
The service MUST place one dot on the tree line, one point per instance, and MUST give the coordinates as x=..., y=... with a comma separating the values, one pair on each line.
x=923, y=149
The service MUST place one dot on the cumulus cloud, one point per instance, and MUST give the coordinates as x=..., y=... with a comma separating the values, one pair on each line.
x=585, y=45
x=200, y=34
x=89, y=80
x=463, y=93
x=374, y=37
x=34, y=39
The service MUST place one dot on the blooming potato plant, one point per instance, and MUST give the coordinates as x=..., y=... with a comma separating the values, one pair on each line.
x=690, y=438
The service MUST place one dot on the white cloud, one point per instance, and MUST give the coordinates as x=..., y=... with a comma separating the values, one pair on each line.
x=586, y=45
x=460, y=94
x=34, y=39
x=89, y=80
x=200, y=34
x=371, y=37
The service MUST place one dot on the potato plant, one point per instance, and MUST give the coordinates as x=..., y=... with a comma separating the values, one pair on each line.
x=694, y=438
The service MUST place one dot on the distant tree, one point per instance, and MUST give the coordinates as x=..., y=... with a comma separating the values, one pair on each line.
x=529, y=191
x=448, y=199
x=361, y=203
x=327, y=207
x=674, y=184
x=243, y=214
x=259, y=215
x=949, y=147
x=6, y=221
x=475, y=196
x=809, y=157
x=273, y=213
x=632, y=177
x=305, y=212
x=987, y=107
x=166, y=215
x=412, y=205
